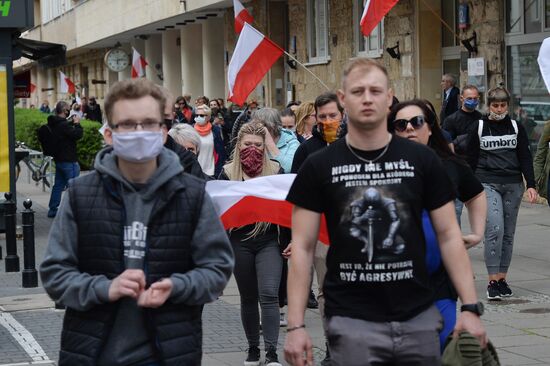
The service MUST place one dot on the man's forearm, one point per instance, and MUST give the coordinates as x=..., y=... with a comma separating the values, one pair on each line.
x=477, y=213
x=298, y=284
x=457, y=263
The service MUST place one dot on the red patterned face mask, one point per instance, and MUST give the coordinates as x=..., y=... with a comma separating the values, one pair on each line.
x=252, y=160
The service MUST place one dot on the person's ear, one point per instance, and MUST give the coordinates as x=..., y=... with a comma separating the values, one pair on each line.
x=108, y=136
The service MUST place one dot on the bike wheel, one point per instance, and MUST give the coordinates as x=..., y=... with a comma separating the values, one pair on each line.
x=17, y=171
x=44, y=171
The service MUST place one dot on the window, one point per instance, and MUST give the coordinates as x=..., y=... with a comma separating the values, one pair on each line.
x=51, y=9
x=449, y=13
x=527, y=16
x=373, y=45
x=317, y=31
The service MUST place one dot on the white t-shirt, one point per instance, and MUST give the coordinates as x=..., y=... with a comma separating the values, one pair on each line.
x=206, y=155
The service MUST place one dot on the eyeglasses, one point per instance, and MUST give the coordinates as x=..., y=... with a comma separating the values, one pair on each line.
x=200, y=115
x=131, y=125
x=417, y=122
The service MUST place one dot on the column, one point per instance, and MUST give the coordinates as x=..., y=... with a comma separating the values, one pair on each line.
x=41, y=83
x=153, y=50
x=191, y=60
x=213, y=58
x=171, y=61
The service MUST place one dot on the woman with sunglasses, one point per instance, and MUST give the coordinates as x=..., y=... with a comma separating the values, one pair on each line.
x=212, y=155
x=416, y=121
x=501, y=159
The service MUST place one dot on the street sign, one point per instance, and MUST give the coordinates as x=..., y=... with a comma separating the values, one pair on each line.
x=16, y=14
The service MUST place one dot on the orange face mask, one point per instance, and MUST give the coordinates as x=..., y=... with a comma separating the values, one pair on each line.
x=329, y=130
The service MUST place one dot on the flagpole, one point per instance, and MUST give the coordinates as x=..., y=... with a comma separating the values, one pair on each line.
x=308, y=70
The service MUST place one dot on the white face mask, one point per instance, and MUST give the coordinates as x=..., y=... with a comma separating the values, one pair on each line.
x=497, y=117
x=138, y=146
x=200, y=120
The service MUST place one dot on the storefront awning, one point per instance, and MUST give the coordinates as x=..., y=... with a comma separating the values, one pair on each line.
x=45, y=53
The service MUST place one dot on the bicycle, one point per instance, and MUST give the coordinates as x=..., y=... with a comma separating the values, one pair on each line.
x=38, y=164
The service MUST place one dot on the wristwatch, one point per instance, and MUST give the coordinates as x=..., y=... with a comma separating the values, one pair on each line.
x=473, y=308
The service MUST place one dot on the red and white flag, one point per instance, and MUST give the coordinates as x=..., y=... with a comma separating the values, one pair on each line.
x=66, y=85
x=544, y=62
x=373, y=13
x=253, y=57
x=241, y=16
x=138, y=64
x=255, y=200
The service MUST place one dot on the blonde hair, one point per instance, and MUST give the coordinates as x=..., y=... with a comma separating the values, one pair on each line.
x=363, y=63
x=206, y=109
x=234, y=169
x=302, y=113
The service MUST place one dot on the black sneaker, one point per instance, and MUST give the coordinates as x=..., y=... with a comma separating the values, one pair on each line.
x=271, y=358
x=311, y=301
x=505, y=290
x=493, y=291
x=253, y=358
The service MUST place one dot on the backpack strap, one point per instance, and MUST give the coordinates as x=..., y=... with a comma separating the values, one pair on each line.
x=480, y=128
x=515, y=125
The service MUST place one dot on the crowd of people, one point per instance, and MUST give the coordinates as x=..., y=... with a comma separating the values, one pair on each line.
x=390, y=178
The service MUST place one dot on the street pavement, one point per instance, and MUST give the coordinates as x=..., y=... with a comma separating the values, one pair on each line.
x=519, y=327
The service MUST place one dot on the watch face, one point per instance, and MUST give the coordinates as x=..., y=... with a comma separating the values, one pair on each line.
x=117, y=60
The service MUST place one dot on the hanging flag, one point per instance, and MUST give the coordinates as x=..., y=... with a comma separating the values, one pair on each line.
x=66, y=85
x=241, y=16
x=33, y=88
x=138, y=64
x=262, y=199
x=373, y=13
x=544, y=62
x=253, y=57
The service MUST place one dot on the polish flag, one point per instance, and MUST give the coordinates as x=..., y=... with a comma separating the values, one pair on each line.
x=544, y=62
x=33, y=87
x=262, y=199
x=373, y=13
x=138, y=64
x=241, y=16
x=253, y=57
x=66, y=85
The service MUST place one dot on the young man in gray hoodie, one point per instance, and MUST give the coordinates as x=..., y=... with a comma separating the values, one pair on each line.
x=136, y=249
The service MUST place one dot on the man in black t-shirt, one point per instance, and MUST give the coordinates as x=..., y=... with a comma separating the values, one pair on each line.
x=379, y=303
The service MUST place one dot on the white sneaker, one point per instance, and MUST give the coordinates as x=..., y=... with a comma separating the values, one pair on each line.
x=282, y=320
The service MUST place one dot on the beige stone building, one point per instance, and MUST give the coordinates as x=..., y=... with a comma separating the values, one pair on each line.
x=188, y=45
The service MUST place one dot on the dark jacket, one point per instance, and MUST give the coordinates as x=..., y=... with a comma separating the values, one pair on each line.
x=459, y=125
x=219, y=150
x=542, y=162
x=68, y=134
x=93, y=112
x=450, y=104
x=315, y=143
x=188, y=160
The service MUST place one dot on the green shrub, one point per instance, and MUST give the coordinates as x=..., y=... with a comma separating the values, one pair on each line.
x=27, y=122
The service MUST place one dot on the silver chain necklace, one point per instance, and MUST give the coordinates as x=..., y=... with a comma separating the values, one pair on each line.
x=367, y=160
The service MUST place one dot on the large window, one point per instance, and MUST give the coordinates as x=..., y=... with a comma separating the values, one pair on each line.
x=449, y=13
x=373, y=45
x=527, y=25
x=317, y=31
x=51, y=9
x=527, y=16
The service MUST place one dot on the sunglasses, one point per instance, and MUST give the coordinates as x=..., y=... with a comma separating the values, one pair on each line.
x=417, y=122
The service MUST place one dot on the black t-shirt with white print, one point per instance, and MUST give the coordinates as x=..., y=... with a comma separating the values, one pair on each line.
x=376, y=267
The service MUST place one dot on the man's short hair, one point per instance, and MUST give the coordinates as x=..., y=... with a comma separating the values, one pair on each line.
x=61, y=107
x=469, y=87
x=132, y=89
x=451, y=78
x=326, y=98
x=363, y=63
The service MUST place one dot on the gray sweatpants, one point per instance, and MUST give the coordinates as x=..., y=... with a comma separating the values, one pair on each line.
x=503, y=202
x=355, y=342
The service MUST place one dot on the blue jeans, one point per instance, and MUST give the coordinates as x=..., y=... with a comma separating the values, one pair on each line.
x=447, y=309
x=64, y=171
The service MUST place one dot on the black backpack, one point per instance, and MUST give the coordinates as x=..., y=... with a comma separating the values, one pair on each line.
x=48, y=140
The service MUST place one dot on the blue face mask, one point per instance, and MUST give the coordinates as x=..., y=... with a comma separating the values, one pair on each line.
x=471, y=104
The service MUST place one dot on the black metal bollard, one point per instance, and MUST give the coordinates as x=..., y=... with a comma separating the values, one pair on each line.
x=12, y=260
x=30, y=275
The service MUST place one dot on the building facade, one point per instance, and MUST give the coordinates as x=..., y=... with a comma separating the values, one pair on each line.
x=188, y=45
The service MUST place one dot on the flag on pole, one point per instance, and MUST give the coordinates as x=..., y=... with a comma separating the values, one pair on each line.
x=544, y=62
x=241, y=16
x=253, y=57
x=66, y=85
x=138, y=64
x=262, y=199
x=373, y=13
